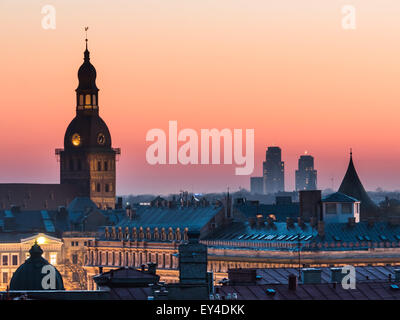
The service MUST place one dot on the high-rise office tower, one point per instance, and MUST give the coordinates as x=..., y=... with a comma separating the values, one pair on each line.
x=306, y=176
x=273, y=171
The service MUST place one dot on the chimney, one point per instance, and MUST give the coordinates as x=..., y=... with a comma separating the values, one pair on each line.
x=321, y=229
x=252, y=222
x=311, y=275
x=352, y=222
x=119, y=203
x=151, y=268
x=260, y=220
x=289, y=223
x=300, y=222
x=292, y=282
x=313, y=222
x=128, y=211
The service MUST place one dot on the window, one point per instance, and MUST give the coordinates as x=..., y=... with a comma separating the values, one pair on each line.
x=98, y=165
x=94, y=99
x=5, y=277
x=81, y=99
x=87, y=99
x=72, y=243
x=75, y=277
x=53, y=258
x=79, y=163
x=71, y=164
x=330, y=208
x=347, y=207
x=107, y=188
x=14, y=260
x=5, y=260
x=75, y=259
x=98, y=187
x=105, y=165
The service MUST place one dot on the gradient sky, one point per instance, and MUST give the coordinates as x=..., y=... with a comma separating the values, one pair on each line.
x=283, y=68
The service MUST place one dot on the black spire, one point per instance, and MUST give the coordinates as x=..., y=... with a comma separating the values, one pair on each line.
x=87, y=91
x=352, y=186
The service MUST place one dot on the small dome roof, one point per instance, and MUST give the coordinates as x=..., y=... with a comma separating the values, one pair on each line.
x=89, y=128
x=29, y=275
x=87, y=74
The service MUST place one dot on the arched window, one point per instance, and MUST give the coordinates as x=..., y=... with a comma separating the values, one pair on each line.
x=94, y=100
x=87, y=100
x=81, y=99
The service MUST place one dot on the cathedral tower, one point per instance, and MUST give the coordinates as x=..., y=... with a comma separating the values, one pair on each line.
x=88, y=159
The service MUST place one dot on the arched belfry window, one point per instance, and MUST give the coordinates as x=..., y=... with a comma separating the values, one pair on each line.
x=94, y=102
x=87, y=100
x=81, y=99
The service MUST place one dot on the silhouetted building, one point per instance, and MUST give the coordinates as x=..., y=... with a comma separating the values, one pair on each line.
x=310, y=205
x=306, y=176
x=273, y=171
x=88, y=159
x=87, y=162
x=352, y=186
x=257, y=185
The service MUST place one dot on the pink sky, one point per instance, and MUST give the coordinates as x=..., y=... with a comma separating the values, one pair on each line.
x=283, y=68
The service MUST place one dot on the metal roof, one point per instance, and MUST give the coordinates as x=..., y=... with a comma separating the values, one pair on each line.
x=339, y=197
x=191, y=217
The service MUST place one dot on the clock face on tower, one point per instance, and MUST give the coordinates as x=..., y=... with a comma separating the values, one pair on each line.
x=76, y=139
x=101, y=139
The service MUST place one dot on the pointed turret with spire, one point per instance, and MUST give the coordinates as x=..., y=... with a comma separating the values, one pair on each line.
x=352, y=186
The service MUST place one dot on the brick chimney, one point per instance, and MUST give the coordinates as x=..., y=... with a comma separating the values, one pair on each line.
x=289, y=223
x=321, y=229
x=292, y=282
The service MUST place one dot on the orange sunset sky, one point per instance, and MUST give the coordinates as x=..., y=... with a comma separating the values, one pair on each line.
x=284, y=68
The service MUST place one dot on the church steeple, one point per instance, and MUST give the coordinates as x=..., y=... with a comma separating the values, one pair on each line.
x=87, y=91
x=352, y=186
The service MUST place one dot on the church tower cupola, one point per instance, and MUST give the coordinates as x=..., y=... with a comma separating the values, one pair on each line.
x=87, y=91
x=88, y=158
